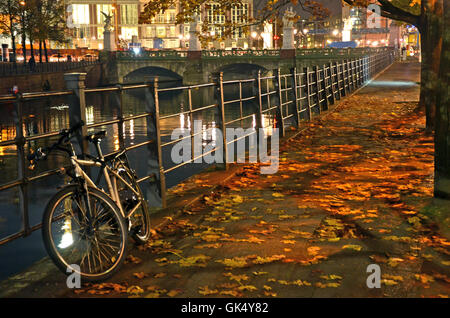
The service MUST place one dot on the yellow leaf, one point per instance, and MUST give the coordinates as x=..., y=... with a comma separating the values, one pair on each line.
x=173, y=292
x=135, y=290
x=238, y=199
x=393, y=261
x=389, y=282
x=313, y=250
x=277, y=195
x=352, y=247
x=206, y=291
x=247, y=287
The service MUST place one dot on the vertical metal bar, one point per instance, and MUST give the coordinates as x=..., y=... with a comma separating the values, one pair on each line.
x=191, y=120
x=350, y=69
x=346, y=77
x=259, y=118
x=280, y=102
x=77, y=106
x=156, y=191
x=120, y=116
x=21, y=163
x=316, y=84
x=162, y=177
x=330, y=82
x=324, y=87
x=295, y=95
x=223, y=125
x=308, y=92
x=240, y=104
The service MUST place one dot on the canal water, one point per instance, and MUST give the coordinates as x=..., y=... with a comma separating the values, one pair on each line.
x=51, y=114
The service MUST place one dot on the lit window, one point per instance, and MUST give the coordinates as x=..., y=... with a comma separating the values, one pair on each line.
x=80, y=13
x=129, y=14
x=128, y=32
x=105, y=8
x=214, y=15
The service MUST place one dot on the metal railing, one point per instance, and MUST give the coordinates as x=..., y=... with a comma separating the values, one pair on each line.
x=259, y=53
x=291, y=99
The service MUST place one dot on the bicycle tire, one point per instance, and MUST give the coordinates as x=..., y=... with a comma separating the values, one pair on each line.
x=116, y=225
x=139, y=236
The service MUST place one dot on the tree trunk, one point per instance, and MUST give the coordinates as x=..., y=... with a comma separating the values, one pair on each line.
x=431, y=43
x=45, y=51
x=13, y=44
x=24, y=49
x=40, y=51
x=442, y=132
x=31, y=46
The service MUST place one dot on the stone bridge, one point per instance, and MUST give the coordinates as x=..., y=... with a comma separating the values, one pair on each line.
x=128, y=67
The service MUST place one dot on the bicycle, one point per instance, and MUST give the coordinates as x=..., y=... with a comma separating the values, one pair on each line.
x=85, y=229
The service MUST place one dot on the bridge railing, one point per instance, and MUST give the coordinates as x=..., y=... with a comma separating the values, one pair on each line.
x=239, y=53
x=153, y=54
x=263, y=102
x=323, y=53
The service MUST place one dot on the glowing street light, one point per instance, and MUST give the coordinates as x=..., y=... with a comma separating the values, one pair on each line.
x=335, y=32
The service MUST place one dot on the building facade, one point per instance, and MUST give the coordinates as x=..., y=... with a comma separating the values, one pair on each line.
x=86, y=24
x=85, y=20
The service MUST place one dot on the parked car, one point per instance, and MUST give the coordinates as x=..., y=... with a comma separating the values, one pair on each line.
x=58, y=58
x=88, y=57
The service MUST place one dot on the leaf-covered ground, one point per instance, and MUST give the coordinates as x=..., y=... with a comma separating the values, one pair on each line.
x=350, y=192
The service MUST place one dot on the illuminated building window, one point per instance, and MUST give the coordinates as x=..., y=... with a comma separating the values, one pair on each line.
x=129, y=14
x=80, y=13
x=161, y=32
x=128, y=32
x=105, y=8
x=214, y=15
x=239, y=15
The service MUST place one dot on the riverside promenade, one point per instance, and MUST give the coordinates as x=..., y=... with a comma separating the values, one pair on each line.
x=354, y=188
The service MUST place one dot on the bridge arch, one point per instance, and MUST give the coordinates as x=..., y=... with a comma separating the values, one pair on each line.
x=240, y=70
x=148, y=73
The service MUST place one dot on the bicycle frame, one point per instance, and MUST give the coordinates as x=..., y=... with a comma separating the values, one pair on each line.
x=112, y=188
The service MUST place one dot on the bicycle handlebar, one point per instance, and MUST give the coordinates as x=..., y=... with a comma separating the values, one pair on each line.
x=66, y=134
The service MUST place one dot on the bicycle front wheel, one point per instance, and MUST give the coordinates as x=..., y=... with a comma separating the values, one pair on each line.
x=84, y=233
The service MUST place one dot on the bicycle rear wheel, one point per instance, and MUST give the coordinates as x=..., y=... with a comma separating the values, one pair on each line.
x=92, y=245
x=132, y=202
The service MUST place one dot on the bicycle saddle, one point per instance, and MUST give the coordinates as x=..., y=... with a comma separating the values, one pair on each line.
x=96, y=137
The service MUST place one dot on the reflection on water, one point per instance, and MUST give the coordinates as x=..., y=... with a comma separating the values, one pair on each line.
x=45, y=115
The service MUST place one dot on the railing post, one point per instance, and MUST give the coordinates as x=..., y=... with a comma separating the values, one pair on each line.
x=347, y=78
x=351, y=83
x=259, y=117
x=156, y=191
x=22, y=170
x=316, y=73
x=324, y=87
x=277, y=84
x=295, y=95
x=222, y=119
x=340, y=80
x=308, y=92
x=77, y=106
x=119, y=101
x=330, y=82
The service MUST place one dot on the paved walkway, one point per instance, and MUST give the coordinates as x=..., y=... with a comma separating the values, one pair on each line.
x=353, y=189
